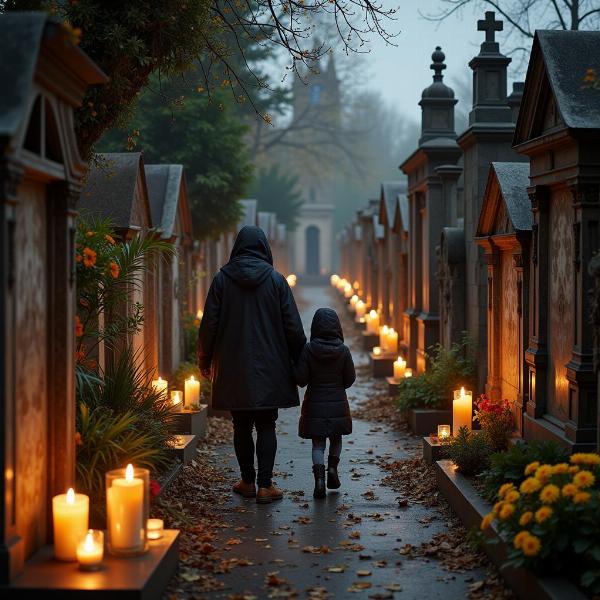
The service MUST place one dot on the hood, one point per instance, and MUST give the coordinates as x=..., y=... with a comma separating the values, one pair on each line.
x=251, y=261
x=326, y=326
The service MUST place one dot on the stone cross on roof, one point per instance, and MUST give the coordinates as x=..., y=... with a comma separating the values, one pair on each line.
x=490, y=26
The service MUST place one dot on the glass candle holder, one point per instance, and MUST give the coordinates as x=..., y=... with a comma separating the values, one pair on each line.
x=443, y=432
x=377, y=351
x=90, y=550
x=408, y=372
x=156, y=529
x=127, y=510
x=177, y=400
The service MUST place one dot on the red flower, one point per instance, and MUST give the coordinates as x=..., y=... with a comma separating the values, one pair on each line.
x=154, y=488
x=78, y=440
x=78, y=327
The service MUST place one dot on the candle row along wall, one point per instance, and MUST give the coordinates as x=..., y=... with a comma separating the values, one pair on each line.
x=192, y=392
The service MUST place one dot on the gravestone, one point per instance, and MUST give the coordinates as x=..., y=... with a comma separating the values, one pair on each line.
x=170, y=211
x=558, y=130
x=426, y=197
x=504, y=232
x=44, y=78
x=488, y=138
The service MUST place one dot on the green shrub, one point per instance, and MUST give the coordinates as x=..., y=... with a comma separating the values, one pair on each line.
x=509, y=466
x=469, y=451
x=448, y=370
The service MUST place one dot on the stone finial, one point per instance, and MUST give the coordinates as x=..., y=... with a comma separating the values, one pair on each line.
x=438, y=65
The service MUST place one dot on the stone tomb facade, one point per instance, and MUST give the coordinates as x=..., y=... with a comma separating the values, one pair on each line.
x=40, y=171
x=116, y=189
x=170, y=211
x=504, y=232
x=558, y=130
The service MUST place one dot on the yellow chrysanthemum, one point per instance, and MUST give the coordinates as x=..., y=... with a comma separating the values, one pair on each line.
x=507, y=511
x=543, y=514
x=550, y=493
x=560, y=469
x=497, y=507
x=543, y=473
x=504, y=489
x=581, y=497
x=512, y=496
x=574, y=469
x=486, y=521
x=569, y=490
x=520, y=538
x=584, y=479
x=525, y=518
x=531, y=467
x=585, y=458
x=530, y=485
x=531, y=545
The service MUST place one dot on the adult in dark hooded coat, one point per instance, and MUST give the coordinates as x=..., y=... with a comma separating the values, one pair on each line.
x=250, y=335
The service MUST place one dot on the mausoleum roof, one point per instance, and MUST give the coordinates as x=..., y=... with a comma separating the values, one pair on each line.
x=164, y=184
x=388, y=200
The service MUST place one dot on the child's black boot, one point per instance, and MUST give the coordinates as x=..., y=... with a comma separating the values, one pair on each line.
x=319, y=473
x=333, y=480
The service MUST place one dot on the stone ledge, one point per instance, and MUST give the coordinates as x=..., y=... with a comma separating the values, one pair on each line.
x=433, y=451
x=370, y=340
x=393, y=385
x=139, y=578
x=382, y=365
x=184, y=448
x=470, y=509
x=191, y=422
x=423, y=421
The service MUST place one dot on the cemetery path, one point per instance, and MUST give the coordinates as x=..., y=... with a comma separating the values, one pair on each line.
x=354, y=543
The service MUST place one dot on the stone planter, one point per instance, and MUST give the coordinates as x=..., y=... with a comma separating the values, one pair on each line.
x=370, y=340
x=433, y=451
x=191, y=422
x=382, y=365
x=423, y=421
x=470, y=509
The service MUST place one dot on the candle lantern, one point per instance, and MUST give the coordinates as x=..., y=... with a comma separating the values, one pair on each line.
x=399, y=368
x=90, y=550
x=155, y=529
x=372, y=322
x=127, y=509
x=177, y=400
x=462, y=410
x=192, y=392
x=408, y=373
x=443, y=432
x=70, y=513
x=160, y=386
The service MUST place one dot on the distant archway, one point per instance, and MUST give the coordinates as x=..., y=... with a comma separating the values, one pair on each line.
x=313, y=242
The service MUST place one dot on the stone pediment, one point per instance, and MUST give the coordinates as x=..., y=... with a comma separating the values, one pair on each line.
x=506, y=208
x=561, y=88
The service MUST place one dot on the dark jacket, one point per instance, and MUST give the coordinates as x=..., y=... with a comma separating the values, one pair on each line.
x=327, y=367
x=251, y=330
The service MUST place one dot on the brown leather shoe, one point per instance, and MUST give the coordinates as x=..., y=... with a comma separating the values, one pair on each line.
x=247, y=490
x=268, y=495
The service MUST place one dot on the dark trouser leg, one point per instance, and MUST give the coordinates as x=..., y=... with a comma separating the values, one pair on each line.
x=335, y=446
x=335, y=449
x=318, y=450
x=266, y=445
x=243, y=422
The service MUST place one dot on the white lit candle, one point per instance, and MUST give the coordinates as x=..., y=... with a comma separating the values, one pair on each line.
x=155, y=529
x=125, y=511
x=353, y=302
x=192, y=391
x=392, y=341
x=377, y=351
x=372, y=322
x=90, y=550
x=462, y=410
x=177, y=399
x=334, y=279
x=348, y=292
x=399, y=368
x=443, y=432
x=160, y=386
x=70, y=513
x=408, y=373
x=383, y=338
x=361, y=309
x=199, y=314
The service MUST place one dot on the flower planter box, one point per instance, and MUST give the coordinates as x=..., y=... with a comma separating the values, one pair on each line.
x=423, y=421
x=393, y=385
x=433, y=451
x=382, y=365
x=191, y=422
x=370, y=340
x=470, y=509
x=184, y=448
x=139, y=578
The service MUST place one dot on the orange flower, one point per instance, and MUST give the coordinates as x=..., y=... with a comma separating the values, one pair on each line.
x=78, y=327
x=90, y=234
x=89, y=257
x=78, y=257
x=110, y=239
x=78, y=440
x=114, y=270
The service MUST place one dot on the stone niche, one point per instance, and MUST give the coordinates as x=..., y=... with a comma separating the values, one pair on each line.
x=558, y=130
x=40, y=171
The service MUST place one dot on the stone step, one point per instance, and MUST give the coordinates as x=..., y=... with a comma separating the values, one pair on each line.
x=138, y=578
x=183, y=448
x=191, y=422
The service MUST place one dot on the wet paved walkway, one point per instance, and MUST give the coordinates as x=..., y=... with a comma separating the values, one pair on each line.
x=362, y=526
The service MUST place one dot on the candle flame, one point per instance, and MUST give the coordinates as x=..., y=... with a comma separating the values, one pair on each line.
x=192, y=378
x=462, y=392
x=70, y=496
x=199, y=314
x=88, y=544
x=129, y=472
x=373, y=314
